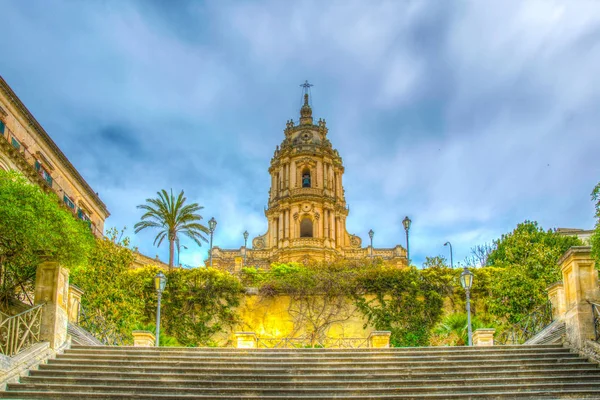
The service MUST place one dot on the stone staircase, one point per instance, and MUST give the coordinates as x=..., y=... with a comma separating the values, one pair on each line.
x=502, y=372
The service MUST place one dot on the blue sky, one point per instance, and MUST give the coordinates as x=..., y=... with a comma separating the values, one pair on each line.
x=469, y=117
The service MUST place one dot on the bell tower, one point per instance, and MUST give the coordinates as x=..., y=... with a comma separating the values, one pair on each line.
x=307, y=210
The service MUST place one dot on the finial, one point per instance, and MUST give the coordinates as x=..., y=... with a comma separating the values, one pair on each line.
x=305, y=111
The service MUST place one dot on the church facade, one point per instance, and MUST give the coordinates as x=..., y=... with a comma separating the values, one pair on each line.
x=307, y=209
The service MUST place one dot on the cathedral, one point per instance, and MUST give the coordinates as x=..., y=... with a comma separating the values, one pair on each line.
x=307, y=209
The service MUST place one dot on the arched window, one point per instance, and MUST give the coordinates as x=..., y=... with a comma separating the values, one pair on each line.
x=306, y=228
x=306, y=178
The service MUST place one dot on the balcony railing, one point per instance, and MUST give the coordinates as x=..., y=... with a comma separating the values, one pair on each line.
x=20, y=331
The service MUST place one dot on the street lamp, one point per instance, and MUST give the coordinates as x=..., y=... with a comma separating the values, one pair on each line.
x=212, y=224
x=466, y=281
x=406, y=222
x=371, y=234
x=245, y=245
x=451, y=262
x=160, y=281
x=179, y=251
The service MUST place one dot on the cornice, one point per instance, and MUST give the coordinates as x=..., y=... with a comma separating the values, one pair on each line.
x=33, y=123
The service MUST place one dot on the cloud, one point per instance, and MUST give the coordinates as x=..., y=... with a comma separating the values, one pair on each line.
x=468, y=117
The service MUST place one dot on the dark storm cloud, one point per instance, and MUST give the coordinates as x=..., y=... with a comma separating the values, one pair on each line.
x=469, y=117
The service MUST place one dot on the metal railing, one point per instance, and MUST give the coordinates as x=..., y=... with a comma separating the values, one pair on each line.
x=20, y=331
x=596, y=315
x=97, y=325
x=308, y=342
x=530, y=326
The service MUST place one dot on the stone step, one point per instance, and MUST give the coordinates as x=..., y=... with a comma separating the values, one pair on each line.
x=424, y=373
x=357, y=352
x=323, y=392
x=234, y=368
x=544, y=394
x=583, y=369
x=307, y=364
x=312, y=358
x=296, y=383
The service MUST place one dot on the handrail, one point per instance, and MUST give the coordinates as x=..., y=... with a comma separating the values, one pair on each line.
x=98, y=327
x=596, y=316
x=530, y=326
x=20, y=331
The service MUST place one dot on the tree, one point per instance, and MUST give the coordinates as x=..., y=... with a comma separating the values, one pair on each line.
x=400, y=301
x=526, y=262
x=319, y=295
x=113, y=300
x=595, y=239
x=453, y=330
x=34, y=225
x=198, y=303
x=173, y=217
x=479, y=255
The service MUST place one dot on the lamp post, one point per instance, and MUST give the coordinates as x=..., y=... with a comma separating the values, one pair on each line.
x=451, y=262
x=245, y=244
x=466, y=281
x=160, y=281
x=371, y=234
x=212, y=224
x=406, y=222
x=179, y=251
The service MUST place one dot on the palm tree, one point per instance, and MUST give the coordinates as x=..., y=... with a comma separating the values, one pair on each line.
x=173, y=218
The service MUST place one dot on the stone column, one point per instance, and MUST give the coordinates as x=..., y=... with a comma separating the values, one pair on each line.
x=74, y=303
x=245, y=340
x=143, y=339
x=52, y=290
x=280, y=233
x=379, y=339
x=556, y=294
x=332, y=226
x=580, y=280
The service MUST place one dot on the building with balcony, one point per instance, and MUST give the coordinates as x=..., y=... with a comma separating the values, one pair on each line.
x=307, y=208
x=25, y=146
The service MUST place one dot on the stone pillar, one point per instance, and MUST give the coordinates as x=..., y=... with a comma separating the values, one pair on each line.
x=293, y=174
x=379, y=339
x=332, y=227
x=143, y=339
x=52, y=290
x=556, y=294
x=74, y=303
x=245, y=340
x=580, y=280
x=239, y=261
x=483, y=337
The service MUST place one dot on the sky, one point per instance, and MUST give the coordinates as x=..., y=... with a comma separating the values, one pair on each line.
x=467, y=116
